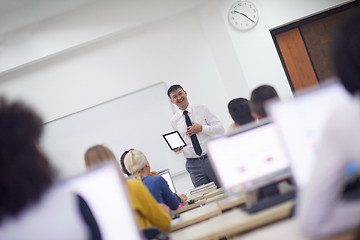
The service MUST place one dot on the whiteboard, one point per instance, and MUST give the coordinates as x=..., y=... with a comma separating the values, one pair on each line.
x=136, y=120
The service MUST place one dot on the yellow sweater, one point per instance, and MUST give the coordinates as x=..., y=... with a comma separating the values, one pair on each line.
x=148, y=212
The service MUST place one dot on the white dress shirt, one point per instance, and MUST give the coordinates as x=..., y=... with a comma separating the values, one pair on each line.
x=321, y=210
x=211, y=127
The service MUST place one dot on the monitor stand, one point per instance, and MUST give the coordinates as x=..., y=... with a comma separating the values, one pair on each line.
x=267, y=196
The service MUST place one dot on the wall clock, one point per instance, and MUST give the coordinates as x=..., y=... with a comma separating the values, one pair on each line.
x=243, y=15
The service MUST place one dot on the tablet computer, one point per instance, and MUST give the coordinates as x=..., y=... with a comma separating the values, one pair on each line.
x=174, y=140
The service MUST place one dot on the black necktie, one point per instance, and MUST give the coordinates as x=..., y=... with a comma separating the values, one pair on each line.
x=194, y=139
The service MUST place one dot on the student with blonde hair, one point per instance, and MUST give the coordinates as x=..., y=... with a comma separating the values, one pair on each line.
x=147, y=211
x=137, y=164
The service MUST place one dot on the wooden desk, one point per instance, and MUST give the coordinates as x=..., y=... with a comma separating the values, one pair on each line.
x=194, y=216
x=207, y=195
x=214, y=193
x=231, y=202
x=190, y=206
x=232, y=222
x=215, y=198
x=287, y=229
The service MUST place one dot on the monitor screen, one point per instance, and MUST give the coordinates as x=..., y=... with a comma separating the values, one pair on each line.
x=250, y=158
x=105, y=192
x=301, y=120
x=166, y=175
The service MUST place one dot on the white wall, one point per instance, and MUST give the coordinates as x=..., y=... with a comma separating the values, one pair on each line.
x=110, y=48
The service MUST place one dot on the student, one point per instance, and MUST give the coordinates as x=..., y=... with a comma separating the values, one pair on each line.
x=30, y=205
x=202, y=126
x=240, y=112
x=125, y=171
x=321, y=209
x=259, y=96
x=137, y=164
x=147, y=211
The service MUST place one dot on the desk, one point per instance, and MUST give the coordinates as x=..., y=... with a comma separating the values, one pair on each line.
x=287, y=229
x=194, y=216
x=215, y=198
x=233, y=222
x=190, y=206
x=231, y=201
x=207, y=195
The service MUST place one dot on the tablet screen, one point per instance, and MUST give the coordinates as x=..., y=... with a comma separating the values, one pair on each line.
x=174, y=140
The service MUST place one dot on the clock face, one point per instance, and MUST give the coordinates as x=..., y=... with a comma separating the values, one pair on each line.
x=243, y=15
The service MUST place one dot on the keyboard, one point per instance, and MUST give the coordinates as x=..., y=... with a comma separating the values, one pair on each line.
x=269, y=202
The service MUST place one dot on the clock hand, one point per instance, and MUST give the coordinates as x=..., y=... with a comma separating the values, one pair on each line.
x=243, y=15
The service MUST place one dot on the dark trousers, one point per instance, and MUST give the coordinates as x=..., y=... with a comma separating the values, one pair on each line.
x=201, y=172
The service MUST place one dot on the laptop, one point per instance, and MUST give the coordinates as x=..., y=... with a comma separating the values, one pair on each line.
x=250, y=158
x=167, y=176
x=105, y=192
x=300, y=122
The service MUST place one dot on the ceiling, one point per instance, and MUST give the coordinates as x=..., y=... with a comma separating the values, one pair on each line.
x=15, y=14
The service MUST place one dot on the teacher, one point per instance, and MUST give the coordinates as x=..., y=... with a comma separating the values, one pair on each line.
x=197, y=125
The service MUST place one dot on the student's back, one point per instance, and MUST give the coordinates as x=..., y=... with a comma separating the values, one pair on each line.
x=161, y=191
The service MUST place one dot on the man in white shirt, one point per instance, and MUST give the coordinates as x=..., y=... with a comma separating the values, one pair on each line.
x=204, y=126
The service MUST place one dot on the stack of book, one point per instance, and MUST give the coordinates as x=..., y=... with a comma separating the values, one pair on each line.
x=200, y=191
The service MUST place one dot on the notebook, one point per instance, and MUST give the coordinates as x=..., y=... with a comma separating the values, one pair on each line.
x=105, y=192
x=300, y=122
x=250, y=158
x=167, y=176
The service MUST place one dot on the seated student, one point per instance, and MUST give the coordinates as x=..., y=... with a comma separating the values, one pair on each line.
x=123, y=168
x=147, y=211
x=137, y=164
x=240, y=112
x=321, y=209
x=30, y=205
x=259, y=96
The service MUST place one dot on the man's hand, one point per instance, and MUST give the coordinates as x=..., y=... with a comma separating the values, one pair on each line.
x=178, y=149
x=194, y=129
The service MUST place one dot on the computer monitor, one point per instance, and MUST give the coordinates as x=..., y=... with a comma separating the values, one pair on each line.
x=249, y=158
x=167, y=176
x=300, y=122
x=105, y=192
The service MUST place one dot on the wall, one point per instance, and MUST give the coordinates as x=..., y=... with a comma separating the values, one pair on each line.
x=103, y=50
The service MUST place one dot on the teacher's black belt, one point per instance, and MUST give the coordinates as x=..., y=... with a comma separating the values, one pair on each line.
x=198, y=158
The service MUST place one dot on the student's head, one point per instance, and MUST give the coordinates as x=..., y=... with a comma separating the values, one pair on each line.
x=259, y=96
x=239, y=109
x=25, y=173
x=98, y=154
x=122, y=163
x=346, y=54
x=135, y=162
x=178, y=96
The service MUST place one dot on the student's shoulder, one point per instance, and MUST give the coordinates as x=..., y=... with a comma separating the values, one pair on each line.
x=134, y=183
